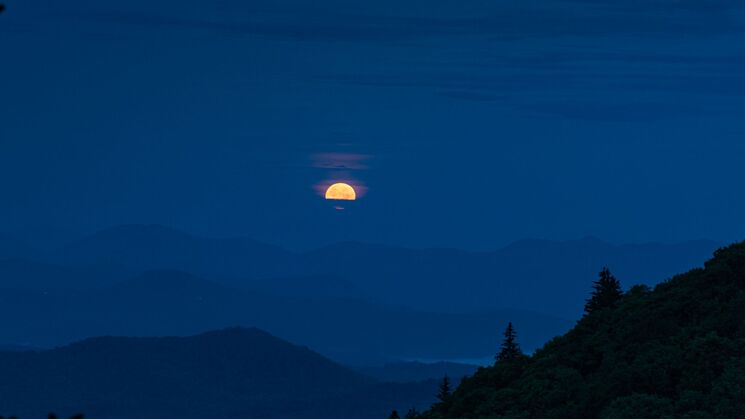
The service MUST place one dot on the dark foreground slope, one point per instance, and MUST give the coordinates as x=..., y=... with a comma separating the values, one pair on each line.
x=677, y=351
x=232, y=373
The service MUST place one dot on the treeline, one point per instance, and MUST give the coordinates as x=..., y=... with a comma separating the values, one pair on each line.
x=675, y=351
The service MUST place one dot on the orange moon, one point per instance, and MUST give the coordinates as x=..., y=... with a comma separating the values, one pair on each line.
x=341, y=192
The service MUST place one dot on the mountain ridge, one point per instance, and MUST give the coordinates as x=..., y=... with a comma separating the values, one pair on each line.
x=394, y=275
x=243, y=372
x=168, y=302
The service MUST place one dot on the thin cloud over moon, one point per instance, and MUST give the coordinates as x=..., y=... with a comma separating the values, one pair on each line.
x=340, y=161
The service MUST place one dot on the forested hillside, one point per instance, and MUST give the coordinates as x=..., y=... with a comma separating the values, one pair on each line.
x=675, y=351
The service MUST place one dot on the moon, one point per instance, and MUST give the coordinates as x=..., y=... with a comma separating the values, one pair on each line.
x=341, y=192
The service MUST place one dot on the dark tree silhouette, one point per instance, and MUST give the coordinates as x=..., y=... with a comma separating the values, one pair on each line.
x=685, y=339
x=510, y=349
x=394, y=415
x=444, y=393
x=412, y=414
x=606, y=292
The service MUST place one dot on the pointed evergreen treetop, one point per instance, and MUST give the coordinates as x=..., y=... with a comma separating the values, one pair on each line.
x=606, y=292
x=510, y=349
x=444, y=393
x=394, y=415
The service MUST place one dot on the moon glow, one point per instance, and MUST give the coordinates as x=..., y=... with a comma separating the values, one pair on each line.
x=341, y=192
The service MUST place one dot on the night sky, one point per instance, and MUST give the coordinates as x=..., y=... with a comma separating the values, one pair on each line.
x=470, y=124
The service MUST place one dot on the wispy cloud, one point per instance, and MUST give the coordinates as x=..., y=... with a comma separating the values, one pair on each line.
x=356, y=23
x=491, y=53
x=340, y=161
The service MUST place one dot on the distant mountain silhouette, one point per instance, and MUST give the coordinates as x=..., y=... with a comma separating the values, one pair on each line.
x=674, y=351
x=356, y=302
x=16, y=348
x=454, y=280
x=149, y=247
x=176, y=303
x=312, y=286
x=446, y=279
x=30, y=275
x=231, y=373
x=405, y=372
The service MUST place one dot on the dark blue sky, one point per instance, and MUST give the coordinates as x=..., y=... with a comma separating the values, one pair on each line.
x=482, y=122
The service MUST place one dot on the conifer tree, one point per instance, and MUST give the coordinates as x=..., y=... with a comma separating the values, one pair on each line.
x=394, y=415
x=412, y=414
x=510, y=349
x=444, y=393
x=606, y=292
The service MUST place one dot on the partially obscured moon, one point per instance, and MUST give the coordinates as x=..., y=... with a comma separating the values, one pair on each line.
x=341, y=191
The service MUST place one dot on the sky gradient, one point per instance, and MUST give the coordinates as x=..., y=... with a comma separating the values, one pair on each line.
x=469, y=125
